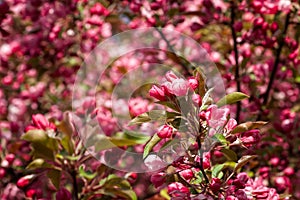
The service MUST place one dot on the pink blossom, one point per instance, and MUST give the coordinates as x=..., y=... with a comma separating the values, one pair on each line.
x=216, y=117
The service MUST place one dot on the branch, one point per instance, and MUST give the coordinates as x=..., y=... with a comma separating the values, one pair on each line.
x=201, y=160
x=236, y=58
x=170, y=48
x=276, y=63
x=75, y=186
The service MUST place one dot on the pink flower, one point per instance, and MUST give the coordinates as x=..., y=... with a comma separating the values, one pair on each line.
x=177, y=189
x=216, y=117
x=158, y=92
x=176, y=85
x=165, y=131
x=179, y=87
x=231, y=124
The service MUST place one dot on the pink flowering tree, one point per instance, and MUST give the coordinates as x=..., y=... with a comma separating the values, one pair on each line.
x=191, y=143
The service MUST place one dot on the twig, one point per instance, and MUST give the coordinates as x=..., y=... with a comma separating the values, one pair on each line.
x=170, y=48
x=276, y=63
x=236, y=58
x=201, y=160
x=75, y=186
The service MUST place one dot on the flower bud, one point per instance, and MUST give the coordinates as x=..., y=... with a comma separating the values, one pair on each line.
x=158, y=179
x=63, y=194
x=158, y=93
x=165, y=131
x=215, y=185
x=24, y=181
x=193, y=83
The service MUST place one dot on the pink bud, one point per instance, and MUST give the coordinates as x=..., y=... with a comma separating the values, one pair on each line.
x=157, y=93
x=63, y=194
x=158, y=179
x=40, y=121
x=177, y=187
x=165, y=131
x=24, y=181
x=193, y=83
x=215, y=185
x=30, y=193
x=2, y=172
x=197, y=99
x=187, y=174
x=10, y=158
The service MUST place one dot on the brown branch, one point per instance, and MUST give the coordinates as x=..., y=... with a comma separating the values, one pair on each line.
x=236, y=58
x=276, y=63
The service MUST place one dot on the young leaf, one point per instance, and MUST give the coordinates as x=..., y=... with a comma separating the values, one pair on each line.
x=140, y=119
x=55, y=176
x=247, y=126
x=243, y=161
x=217, y=169
x=232, y=98
x=38, y=163
x=229, y=154
x=149, y=146
x=85, y=174
x=220, y=138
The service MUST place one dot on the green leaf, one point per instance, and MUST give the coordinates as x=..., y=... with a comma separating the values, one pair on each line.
x=68, y=144
x=243, y=161
x=232, y=98
x=55, y=177
x=149, y=146
x=164, y=194
x=136, y=136
x=140, y=119
x=217, y=169
x=169, y=104
x=247, y=126
x=40, y=137
x=220, y=138
x=229, y=154
x=85, y=174
x=127, y=194
x=43, y=146
x=38, y=163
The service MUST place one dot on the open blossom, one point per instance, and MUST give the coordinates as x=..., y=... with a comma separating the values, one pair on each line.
x=175, y=85
x=216, y=117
